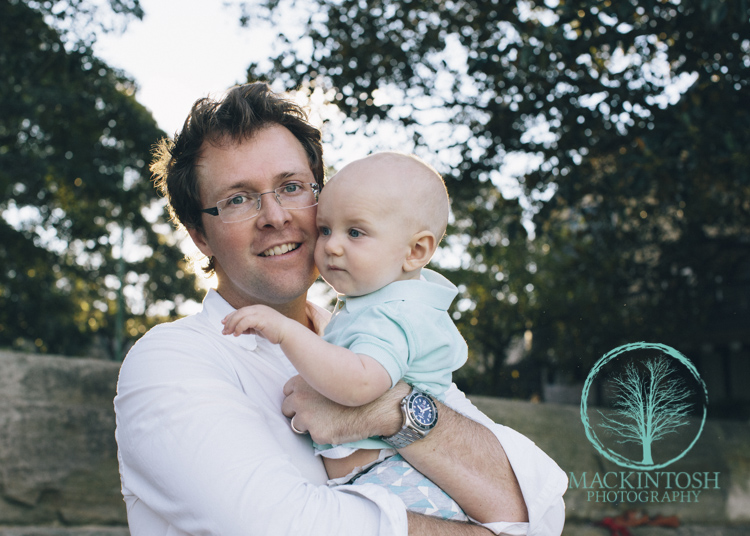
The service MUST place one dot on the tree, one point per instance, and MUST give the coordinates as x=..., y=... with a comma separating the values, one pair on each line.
x=632, y=120
x=648, y=408
x=82, y=237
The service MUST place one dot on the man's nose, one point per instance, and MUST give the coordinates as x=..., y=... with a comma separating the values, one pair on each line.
x=271, y=213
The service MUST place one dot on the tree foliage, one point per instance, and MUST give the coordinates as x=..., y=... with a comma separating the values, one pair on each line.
x=78, y=210
x=633, y=119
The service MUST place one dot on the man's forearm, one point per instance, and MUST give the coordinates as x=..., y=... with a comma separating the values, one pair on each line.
x=467, y=461
x=420, y=525
x=462, y=457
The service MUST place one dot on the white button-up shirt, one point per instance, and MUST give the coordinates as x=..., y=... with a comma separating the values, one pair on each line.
x=204, y=448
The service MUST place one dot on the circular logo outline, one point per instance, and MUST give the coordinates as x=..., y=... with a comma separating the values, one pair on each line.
x=609, y=356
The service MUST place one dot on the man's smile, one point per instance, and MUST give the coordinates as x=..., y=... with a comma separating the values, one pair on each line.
x=280, y=250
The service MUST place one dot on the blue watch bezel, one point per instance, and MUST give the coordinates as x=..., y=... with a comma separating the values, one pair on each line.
x=410, y=403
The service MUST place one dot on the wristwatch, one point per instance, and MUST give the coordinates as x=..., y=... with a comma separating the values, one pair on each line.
x=420, y=416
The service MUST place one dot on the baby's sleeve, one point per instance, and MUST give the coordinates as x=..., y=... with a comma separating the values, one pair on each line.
x=379, y=333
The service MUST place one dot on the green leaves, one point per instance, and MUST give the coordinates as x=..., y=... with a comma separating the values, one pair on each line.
x=74, y=151
x=634, y=118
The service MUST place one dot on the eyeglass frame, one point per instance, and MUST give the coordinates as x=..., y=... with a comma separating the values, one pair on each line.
x=215, y=211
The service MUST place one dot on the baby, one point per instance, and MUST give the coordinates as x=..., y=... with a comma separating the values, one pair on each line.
x=380, y=220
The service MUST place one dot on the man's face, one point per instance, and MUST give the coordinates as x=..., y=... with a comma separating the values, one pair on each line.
x=246, y=268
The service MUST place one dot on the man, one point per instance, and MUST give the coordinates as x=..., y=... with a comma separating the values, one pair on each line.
x=204, y=443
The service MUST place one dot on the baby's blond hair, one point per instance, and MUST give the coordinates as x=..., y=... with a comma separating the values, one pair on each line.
x=417, y=191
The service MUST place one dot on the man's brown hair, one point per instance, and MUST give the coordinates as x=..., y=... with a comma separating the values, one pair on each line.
x=239, y=115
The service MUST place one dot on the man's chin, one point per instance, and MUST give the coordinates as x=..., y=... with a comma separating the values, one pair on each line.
x=282, y=290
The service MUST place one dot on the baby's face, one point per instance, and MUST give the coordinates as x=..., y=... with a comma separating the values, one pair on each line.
x=362, y=242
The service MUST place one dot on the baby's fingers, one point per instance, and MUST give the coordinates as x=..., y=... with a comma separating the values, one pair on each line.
x=244, y=325
x=237, y=324
x=231, y=321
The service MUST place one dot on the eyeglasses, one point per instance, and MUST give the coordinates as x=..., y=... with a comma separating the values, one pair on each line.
x=241, y=207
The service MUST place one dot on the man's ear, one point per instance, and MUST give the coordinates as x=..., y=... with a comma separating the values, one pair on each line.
x=199, y=239
x=421, y=248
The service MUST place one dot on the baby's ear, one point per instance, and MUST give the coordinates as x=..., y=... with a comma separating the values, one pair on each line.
x=421, y=248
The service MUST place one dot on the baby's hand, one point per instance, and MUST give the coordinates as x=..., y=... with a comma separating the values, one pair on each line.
x=256, y=319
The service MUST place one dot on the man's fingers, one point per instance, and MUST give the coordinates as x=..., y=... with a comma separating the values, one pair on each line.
x=295, y=428
x=294, y=390
x=287, y=406
x=292, y=384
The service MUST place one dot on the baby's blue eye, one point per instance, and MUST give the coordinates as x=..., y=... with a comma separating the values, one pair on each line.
x=325, y=231
x=354, y=233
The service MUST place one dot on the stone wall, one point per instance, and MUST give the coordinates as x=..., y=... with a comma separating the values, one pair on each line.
x=58, y=457
x=723, y=447
x=58, y=465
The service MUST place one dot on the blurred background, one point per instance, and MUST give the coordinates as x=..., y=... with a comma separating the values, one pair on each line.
x=596, y=153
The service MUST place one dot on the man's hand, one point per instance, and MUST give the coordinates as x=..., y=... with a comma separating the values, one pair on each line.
x=317, y=317
x=331, y=423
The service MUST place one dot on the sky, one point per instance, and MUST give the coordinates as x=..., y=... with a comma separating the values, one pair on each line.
x=182, y=50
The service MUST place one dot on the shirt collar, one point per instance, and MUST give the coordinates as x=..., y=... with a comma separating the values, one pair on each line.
x=433, y=290
x=215, y=308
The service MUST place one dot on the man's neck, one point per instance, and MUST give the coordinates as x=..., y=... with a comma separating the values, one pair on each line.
x=295, y=309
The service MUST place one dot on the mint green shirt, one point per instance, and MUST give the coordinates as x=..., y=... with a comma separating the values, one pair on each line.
x=404, y=326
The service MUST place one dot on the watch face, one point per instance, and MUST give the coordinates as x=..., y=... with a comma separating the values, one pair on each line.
x=423, y=410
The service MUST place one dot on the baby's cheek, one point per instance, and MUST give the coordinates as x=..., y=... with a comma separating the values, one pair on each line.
x=319, y=254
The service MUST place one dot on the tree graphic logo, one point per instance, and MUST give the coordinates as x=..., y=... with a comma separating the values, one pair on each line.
x=657, y=406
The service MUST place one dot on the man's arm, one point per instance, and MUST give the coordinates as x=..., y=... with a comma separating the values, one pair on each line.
x=420, y=525
x=462, y=457
x=466, y=460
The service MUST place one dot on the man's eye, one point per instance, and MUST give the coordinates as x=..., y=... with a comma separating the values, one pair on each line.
x=325, y=231
x=354, y=233
x=237, y=200
x=291, y=188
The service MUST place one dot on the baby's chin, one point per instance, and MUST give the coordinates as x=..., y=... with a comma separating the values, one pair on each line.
x=330, y=280
x=340, y=287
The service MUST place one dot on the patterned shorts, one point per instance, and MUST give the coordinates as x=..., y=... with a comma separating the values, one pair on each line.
x=420, y=495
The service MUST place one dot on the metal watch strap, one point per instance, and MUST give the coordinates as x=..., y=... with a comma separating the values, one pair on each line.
x=409, y=433
x=403, y=438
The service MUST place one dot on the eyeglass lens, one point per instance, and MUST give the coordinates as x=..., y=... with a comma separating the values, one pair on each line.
x=290, y=196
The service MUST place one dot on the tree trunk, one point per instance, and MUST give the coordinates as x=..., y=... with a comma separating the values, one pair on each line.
x=647, y=459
